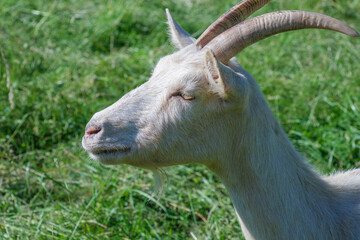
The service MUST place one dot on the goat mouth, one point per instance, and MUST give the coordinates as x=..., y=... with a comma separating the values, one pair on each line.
x=111, y=151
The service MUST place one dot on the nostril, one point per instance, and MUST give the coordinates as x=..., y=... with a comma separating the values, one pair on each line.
x=93, y=130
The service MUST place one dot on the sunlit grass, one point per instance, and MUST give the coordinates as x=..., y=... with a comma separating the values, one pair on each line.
x=68, y=59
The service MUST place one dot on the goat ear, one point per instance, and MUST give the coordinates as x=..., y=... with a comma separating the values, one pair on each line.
x=214, y=74
x=223, y=80
x=180, y=38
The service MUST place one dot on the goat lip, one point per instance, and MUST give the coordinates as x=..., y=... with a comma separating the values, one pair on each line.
x=110, y=151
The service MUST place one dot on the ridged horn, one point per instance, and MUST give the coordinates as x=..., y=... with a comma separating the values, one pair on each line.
x=233, y=16
x=237, y=38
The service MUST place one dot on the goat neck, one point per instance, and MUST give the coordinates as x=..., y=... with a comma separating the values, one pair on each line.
x=274, y=192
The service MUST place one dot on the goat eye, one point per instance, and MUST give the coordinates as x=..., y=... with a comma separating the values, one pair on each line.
x=184, y=96
x=187, y=97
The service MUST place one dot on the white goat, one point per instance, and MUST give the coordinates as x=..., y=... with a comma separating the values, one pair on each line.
x=201, y=106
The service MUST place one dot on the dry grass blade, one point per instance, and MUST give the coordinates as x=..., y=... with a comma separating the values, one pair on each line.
x=8, y=80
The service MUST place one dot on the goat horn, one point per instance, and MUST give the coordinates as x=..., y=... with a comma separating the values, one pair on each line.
x=233, y=16
x=234, y=40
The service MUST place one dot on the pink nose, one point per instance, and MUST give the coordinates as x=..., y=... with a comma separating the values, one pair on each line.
x=92, y=130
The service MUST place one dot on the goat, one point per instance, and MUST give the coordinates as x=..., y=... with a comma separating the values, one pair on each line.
x=201, y=106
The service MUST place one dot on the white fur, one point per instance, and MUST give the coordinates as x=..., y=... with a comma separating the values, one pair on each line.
x=230, y=128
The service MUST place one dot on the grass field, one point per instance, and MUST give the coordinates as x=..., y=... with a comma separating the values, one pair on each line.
x=62, y=61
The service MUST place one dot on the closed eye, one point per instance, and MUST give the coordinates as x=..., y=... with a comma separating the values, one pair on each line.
x=183, y=96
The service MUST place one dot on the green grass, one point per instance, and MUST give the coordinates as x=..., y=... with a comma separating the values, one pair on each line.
x=66, y=60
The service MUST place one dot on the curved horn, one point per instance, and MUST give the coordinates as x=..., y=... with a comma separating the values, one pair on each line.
x=234, y=40
x=233, y=16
